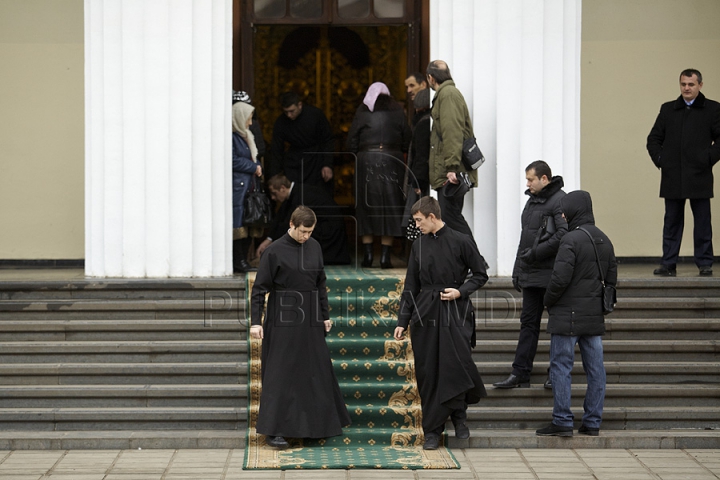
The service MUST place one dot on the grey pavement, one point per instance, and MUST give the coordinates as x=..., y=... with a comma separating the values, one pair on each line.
x=485, y=464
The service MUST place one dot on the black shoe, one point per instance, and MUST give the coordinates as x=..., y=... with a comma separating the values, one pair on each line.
x=385, y=257
x=548, y=383
x=432, y=441
x=243, y=267
x=368, y=258
x=665, y=271
x=553, y=430
x=459, y=419
x=706, y=271
x=278, y=442
x=593, y=432
x=512, y=382
x=462, y=431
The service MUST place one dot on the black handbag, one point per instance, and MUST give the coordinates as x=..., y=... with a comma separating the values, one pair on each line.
x=548, y=228
x=258, y=207
x=609, y=293
x=472, y=157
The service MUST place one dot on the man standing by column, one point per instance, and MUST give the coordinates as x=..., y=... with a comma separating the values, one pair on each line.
x=683, y=144
x=451, y=125
x=542, y=228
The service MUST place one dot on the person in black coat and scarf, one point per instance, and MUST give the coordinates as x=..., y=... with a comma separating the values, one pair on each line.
x=542, y=228
x=574, y=300
x=379, y=134
x=684, y=144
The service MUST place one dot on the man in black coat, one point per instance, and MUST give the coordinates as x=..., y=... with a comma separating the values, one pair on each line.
x=542, y=228
x=330, y=229
x=574, y=301
x=683, y=144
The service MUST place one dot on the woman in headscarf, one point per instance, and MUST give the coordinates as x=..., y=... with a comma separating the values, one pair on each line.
x=244, y=166
x=379, y=135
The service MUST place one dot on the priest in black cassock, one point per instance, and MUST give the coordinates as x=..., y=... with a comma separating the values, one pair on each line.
x=330, y=228
x=302, y=144
x=300, y=395
x=436, y=305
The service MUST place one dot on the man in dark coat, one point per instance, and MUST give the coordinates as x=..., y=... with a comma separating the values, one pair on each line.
x=330, y=229
x=574, y=301
x=542, y=228
x=306, y=131
x=436, y=304
x=683, y=144
x=300, y=395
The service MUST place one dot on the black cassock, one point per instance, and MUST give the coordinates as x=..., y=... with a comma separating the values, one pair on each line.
x=442, y=332
x=329, y=229
x=300, y=395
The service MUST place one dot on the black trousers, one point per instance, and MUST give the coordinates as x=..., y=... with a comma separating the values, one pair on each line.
x=673, y=231
x=530, y=316
x=451, y=211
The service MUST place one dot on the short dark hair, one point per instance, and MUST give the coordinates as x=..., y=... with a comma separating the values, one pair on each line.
x=426, y=206
x=541, y=168
x=419, y=77
x=289, y=99
x=439, y=70
x=689, y=72
x=278, y=181
x=303, y=216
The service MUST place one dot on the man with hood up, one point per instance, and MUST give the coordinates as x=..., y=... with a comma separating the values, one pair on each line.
x=574, y=301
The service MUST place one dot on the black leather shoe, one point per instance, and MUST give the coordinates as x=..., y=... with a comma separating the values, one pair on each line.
x=278, y=442
x=243, y=267
x=432, y=441
x=512, y=382
x=593, y=432
x=385, y=257
x=368, y=258
x=706, y=271
x=553, y=430
x=548, y=383
x=665, y=271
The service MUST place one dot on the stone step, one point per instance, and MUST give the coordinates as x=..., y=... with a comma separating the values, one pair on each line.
x=122, y=351
x=614, y=350
x=660, y=373
x=616, y=395
x=125, y=396
x=159, y=373
x=227, y=439
x=119, y=418
x=614, y=418
x=119, y=330
x=608, y=439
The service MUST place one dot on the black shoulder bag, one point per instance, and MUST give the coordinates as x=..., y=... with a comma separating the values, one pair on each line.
x=609, y=294
x=258, y=208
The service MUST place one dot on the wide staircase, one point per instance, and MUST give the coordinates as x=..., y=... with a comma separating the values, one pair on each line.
x=163, y=364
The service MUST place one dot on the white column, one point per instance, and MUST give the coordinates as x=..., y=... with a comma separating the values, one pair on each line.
x=517, y=62
x=158, y=192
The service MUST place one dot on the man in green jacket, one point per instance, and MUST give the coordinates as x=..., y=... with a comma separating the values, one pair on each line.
x=451, y=125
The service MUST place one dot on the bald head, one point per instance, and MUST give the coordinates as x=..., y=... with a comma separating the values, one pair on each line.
x=438, y=72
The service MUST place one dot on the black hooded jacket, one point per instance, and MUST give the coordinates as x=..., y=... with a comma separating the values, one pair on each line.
x=546, y=203
x=574, y=295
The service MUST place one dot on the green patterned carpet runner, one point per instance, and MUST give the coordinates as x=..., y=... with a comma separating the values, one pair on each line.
x=377, y=378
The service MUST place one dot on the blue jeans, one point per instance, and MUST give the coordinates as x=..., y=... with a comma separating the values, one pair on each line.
x=562, y=358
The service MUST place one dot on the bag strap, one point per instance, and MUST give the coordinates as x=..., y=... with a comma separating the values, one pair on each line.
x=597, y=257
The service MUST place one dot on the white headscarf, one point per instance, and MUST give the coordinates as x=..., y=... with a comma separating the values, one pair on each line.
x=241, y=111
x=375, y=90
